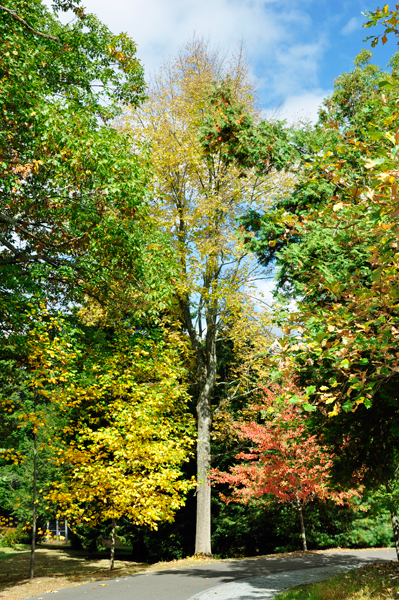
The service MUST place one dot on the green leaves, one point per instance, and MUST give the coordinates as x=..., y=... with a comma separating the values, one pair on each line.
x=233, y=133
x=377, y=274
x=74, y=195
x=385, y=84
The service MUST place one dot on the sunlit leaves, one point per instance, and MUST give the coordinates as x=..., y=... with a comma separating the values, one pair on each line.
x=283, y=462
x=129, y=435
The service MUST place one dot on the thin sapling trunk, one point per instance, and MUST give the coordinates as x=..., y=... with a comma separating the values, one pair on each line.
x=394, y=520
x=33, y=542
x=303, y=532
x=112, y=554
x=395, y=527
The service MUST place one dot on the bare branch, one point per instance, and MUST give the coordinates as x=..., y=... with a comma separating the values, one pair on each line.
x=14, y=14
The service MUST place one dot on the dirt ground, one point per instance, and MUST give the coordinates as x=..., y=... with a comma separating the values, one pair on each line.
x=60, y=567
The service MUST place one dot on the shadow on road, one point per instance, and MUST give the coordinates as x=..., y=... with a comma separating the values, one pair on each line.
x=261, y=567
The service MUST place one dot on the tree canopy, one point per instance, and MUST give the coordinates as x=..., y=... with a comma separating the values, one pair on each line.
x=135, y=225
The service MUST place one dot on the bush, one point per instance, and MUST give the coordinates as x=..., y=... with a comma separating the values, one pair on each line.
x=14, y=536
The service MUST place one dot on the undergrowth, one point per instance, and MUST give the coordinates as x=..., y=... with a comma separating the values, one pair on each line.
x=379, y=581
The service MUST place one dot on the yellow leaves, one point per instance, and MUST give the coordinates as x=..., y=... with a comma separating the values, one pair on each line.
x=130, y=454
x=385, y=177
x=369, y=164
x=196, y=201
x=335, y=411
x=338, y=206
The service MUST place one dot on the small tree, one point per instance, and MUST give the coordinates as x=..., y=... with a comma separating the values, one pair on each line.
x=129, y=434
x=282, y=461
x=35, y=367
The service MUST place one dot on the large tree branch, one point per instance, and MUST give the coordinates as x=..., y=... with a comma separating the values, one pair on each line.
x=194, y=337
x=19, y=254
x=15, y=221
x=15, y=15
x=26, y=257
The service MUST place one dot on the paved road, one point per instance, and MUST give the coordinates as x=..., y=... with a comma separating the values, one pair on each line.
x=184, y=584
x=268, y=587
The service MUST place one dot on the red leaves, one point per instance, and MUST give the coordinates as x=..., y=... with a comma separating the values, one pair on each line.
x=283, y=461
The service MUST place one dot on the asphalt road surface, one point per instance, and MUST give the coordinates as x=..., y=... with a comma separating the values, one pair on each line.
x=184, y=584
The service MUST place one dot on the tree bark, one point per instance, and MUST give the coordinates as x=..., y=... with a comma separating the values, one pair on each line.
x=203, y=525
x=395, y=527
x=206, y=363
x=33, y=542
x=303, y=532
x=112, y=552
x=394, y=520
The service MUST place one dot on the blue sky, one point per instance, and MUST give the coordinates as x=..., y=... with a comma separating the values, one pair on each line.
x=296, y=47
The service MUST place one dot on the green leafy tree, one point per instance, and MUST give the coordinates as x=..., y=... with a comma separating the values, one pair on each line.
x=336, y=238
x=73, y=194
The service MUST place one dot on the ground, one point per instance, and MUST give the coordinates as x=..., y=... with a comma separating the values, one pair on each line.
x=57, y=568
x=379, y=581
x=61, y=567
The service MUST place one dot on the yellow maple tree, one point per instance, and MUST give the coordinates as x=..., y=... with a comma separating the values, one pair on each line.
x=128, y=436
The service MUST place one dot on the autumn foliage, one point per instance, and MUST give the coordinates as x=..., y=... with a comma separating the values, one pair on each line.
x=282, y=461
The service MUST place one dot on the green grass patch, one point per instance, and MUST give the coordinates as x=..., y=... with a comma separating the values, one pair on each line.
x=379, y=581
x=16, y=549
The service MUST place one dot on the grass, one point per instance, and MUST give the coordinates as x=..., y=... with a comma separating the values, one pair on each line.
x=379, y=581
x=8, y=552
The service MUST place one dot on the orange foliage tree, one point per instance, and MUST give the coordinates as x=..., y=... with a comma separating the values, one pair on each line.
x=282, y=461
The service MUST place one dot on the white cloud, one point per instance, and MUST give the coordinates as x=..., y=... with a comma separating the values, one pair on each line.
x=296, y=67
x=272, y=32
x=302, y=106
x=160, y=26
x=351, y=26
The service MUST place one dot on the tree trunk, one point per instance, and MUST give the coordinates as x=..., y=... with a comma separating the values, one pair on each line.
x=303, y=532
x=395, y=527
x=112, y=554
x=394, y=520
x=33, y=542
x=203, y=525
x=206, y=363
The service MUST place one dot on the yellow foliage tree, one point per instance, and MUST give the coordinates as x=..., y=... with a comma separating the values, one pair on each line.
x=129, y=433
x=198, y=198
